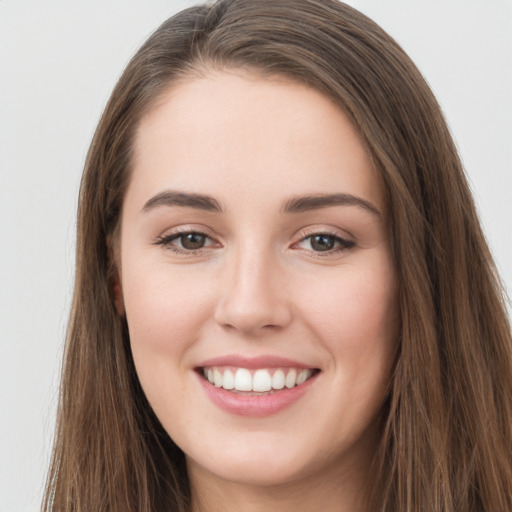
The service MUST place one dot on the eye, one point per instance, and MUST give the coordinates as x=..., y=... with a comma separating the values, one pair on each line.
x=324, y=243
x=190, y=241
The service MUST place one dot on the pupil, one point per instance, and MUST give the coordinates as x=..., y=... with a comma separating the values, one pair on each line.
x=193, y=241
x=322, y=242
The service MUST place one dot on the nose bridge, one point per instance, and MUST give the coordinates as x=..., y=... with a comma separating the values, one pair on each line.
x=251, y=297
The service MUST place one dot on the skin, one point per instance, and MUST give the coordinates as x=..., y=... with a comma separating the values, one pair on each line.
x=259, y=287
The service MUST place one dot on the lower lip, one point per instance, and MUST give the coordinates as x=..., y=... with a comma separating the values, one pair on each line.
x=255, y=405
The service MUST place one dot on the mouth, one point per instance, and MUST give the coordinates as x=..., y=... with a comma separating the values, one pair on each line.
x=255, y=386
x=256, y=381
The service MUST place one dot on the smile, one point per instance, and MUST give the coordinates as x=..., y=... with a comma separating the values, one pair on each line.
x=262, y=380
x=255, y=387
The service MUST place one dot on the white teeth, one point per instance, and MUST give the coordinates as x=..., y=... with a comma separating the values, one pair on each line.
x=301, y=378
x=229, y=380
x=278, y=380
x=291, y=379
x=259, y=381
x=217, y=378
x=262, y=381
x=243, y=380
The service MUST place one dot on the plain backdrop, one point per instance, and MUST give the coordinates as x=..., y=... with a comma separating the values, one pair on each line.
x=58, y=63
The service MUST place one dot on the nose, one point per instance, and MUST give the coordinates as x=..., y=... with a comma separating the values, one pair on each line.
x=253, y=299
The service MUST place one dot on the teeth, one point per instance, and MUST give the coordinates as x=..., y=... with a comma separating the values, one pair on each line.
x=278, y=380
x=217, y=378
x=229, y=380
x=260, y=381
x=291, y=379
x=301, y=378
x=243, y=380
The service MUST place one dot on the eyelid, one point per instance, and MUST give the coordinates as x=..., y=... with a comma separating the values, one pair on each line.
x=172, y=234
x=183, y=229
x=344, y=243
x=347, y=243
x=321, y=229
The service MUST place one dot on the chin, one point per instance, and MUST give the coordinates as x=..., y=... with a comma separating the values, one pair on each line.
x=257, y=460
x=258, y=472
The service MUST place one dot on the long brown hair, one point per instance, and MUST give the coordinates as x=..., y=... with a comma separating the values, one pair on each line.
x=446, y=442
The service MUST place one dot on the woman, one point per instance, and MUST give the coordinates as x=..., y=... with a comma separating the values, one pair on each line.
x=283, y=297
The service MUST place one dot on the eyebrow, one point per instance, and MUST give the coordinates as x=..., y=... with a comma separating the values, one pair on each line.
x=318, y=201
x=293, y=205
x=189, y=200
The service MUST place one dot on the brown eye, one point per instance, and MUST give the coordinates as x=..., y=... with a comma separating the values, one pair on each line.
x=325, y=243
x=322, y=243
x=188, y=242
x=192, y=241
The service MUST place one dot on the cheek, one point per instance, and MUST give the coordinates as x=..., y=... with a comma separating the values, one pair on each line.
x=164, y=309
x=358, y=306
x=165, y=314
x=355, y=317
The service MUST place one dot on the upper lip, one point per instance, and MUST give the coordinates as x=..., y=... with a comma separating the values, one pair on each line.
x=264, y=361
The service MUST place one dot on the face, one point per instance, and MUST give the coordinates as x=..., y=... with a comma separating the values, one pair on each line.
x=257, y=279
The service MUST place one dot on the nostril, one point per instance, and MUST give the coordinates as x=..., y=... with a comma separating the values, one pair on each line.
x=253, y=320
x=251, y=299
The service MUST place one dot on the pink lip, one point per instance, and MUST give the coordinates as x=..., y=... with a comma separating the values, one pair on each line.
x=252, y=363
x=254, y=405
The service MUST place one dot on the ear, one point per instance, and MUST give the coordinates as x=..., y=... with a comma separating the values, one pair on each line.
x=114, y=279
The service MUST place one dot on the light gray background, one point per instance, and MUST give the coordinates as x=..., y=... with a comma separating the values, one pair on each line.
x=59, y=61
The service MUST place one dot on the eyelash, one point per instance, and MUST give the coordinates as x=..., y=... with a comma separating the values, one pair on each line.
x=167, y=242
x=342, y=243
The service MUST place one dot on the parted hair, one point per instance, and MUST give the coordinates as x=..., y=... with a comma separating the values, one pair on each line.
x=446, y=430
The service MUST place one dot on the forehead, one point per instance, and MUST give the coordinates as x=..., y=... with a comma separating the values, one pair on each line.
x=226, y=133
